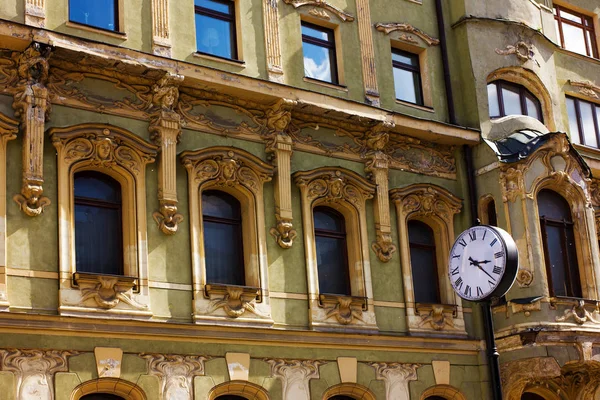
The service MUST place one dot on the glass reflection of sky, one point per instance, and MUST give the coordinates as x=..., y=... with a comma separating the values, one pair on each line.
x=317, y=63
x=99, y=13
x=213, y=36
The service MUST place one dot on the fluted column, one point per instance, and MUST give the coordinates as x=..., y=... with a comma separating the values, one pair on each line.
x=161, y=41
x=35, y=13
x=295, y=376
x=273, y=46
x=365, y=35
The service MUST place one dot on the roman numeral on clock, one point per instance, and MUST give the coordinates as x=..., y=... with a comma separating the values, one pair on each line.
x=462, y=242
x=497, y=270
x=479, y=292
x=473, y=235
x=454, y=271
x=468, y=291
x=499, y=254
x=458, y=283
x=493, y=242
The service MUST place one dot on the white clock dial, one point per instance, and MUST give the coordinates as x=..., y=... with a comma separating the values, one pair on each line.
x=477, y=263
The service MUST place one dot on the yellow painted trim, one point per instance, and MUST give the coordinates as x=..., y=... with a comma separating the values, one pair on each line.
x=291, y=296
x=27, y=273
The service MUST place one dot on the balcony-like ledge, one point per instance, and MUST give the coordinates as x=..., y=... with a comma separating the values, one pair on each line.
x=234, y=300
x=436, y=316
x=345, y=309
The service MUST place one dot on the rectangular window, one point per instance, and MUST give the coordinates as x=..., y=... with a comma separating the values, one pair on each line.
x=102, y=14
x=584, y=121
x=407, y=77
x=318, y=45
x=575, y=31
x=215, y=28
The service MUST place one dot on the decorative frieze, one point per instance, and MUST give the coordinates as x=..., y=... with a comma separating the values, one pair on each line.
x=272, y=43
x=342, y=15
x=161, y=41
x=32, y=107
x=396, y=377
x=165, y=127
x=579, y=314
x=390, y=27
x=587, y=88
x=365, y=36
x=176, y=373
x=295, y=376
x=34, y=370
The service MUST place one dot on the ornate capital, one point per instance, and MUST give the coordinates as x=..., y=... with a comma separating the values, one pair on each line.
x=390, y=27
x=176, y=373
x=326, y=6
x=165, y=92
x=378, y=137
x=396, y=377
x=34, y=370
x=279, y=115
x=424, y=199
x=295, y=375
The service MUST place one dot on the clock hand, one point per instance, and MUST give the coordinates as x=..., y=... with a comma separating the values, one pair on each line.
x=484, y=262
x=485, y=272
x=473, y=262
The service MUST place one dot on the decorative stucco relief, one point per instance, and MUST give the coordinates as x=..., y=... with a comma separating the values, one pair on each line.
x=522, y=50
x=295, y=376
x=579, y=314
x=35, y=13
x=390, y=27
x=34, y=370
x=396, y=377
x=587, y=88
x=106, y=292
x=161, y=41
x=515, y=375
x=342, y=15
x=235, y=301
x=176, y=373
x=272, y=42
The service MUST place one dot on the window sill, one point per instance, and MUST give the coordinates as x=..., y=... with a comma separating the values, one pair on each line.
x=117, y=35
x=577, y=55
x=417, y=106
x=341, y=88
x=230, y=61
x=427, y=308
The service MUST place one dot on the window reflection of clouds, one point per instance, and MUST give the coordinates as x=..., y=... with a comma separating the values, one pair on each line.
x=317, y=64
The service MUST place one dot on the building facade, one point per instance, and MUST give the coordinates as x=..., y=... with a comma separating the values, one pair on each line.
x=224, y=199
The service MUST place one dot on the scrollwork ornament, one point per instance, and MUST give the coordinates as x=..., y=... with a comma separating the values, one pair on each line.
x=523, y=51
x=384, y=247
x=437, y=319
x=342, y=15
x=107, y=292
x=279, y=115
x=165, y=93
x=524, y=277
x=295, y=376
x=345, y=311
x=167, y=217
x=388, y=28
x=284, y=232
x=235, y=302
x=430, y=201
x=579, y=314
x=512, y=183
x=176, y=373
x=334, y=186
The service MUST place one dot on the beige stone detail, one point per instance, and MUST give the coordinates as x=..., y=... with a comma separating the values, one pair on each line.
x=34, y=370
x=119, y=387
x=238, y=365
x=165, y=127
x=515, y=375
x=348, y=367
x=35, y=13
x=242, y=175
x=365, y=36
x=247, y=390
x=295, y=376
x=436, y=207
x=279, y=146
x=378, y=166
x=587, y=88
x=176, y=373
x=108, y=361
x=8, y=131
x=522, y=50
x=32, y=107
x=441, y=372
x=161, y=41
x=346, y=192
x=272, y=42
x=325, y=5
x=123, y=156
x=526, y=309
x=388, y=28
x=396, y=377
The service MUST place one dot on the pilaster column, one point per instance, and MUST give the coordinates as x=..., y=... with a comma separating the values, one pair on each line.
x=32, y=107
x=273, y=46
x=35, y=13
x=176, y=373
x=279, y=146
x=165, y=127
x=161, y=41
x=396, y=377
x=295, y=376
x=34, y=370
x=377, y=166
x=365, y=35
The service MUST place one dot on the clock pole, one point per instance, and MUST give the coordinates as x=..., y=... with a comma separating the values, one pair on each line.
x=492, y=350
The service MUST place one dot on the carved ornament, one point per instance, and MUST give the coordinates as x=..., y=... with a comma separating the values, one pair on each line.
x=515, y=375
x=234, y=300
x=319, y=13
x=421, y=157
x=390, y=27
x=523, y=51
x=595, y=192
x=176, y=373
x=426, y=200
x=106, y=291
x=436, y=316
x=34, y=370
x=526, y=309
x=512, y=183
x=342, y=15
x=345, y=309
x=396, y=377
x=295, y=376
x=578, y=314
x=278, y=116
x=587, y=88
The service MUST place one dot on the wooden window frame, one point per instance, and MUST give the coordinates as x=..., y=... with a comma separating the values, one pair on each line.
x=411, y=68
x=522, y=91
x=579, y=121
x=230, y=18
x=327, y=44
x=589, y=33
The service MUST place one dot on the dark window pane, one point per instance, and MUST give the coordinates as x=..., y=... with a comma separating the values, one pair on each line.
x=493, y=100
x=407, y=86
x=552, y=206
x=405, y=58
x=423, y=262
x=230, y=397
x=98, y=226
x=587, y=122
x=341, y=397
x=223, y=247
x=219, y=6
x=99, y=13
x=491, y=213
x=531, y=396
x=214, y=36
x=101, y=396
x=556, y=260
x=332, y=251
x=573, y=127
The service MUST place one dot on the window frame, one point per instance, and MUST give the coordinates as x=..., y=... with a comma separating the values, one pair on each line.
x=522, y=91
x=331, y=45
x=233, y=29
x=430, y=247
x=579, y=121
x=407, y=67
x=588, y=31
x=119, y=30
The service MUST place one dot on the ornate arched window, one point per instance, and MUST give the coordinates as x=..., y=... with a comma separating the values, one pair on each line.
x=423, y=261
x=230, y=397
x=506, y=98
x=101, y=396
x=531, y=396
x=332, y=251
x=223, y=244
x=348, y=391
x=558, y=238
x=98, y=223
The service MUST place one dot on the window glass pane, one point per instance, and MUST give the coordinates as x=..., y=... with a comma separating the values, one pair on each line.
x=556, y=261
x=512, y=102
x=587, y=121
x=552, y=206
x=98, y=13
x=491, y=213
x=214, y=36
x=323, y=34
x=317, y=62
x=573, y=128
x=574, y=39
x=405, y=58
x=223, y=7
x=532, y=109
x=591, y=51
x=98, y=245
x=94, y=185
x=332, y=266
x=341, y=397
x=573, y=271
x=493, y=100
x=223, y=253
x=419, y=232
x=407, y=87
x=101, y=396
x=220, y=204
x=423, y=262
x=571, y=17
x=328, y=221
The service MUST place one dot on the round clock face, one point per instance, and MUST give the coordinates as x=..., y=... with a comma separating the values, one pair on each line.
x=479, y=261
